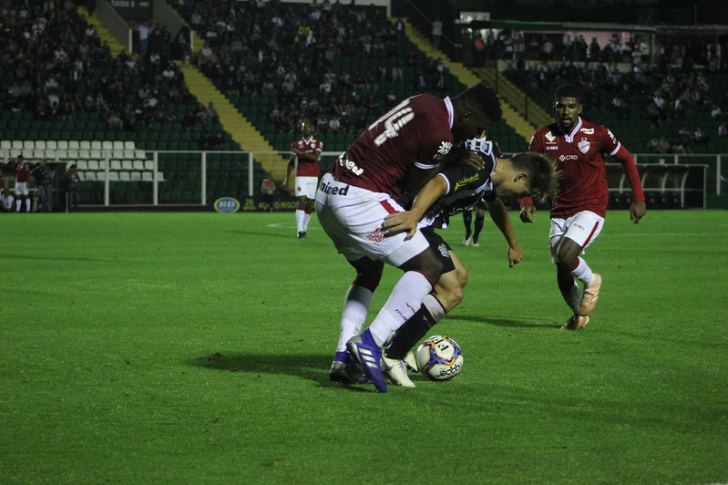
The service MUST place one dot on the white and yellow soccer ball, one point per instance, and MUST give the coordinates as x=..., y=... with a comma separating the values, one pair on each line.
x=439, y=358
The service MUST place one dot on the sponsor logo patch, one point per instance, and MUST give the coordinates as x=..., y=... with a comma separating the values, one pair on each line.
x=227, y=205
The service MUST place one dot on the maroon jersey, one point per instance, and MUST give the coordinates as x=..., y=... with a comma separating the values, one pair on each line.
x=415, y=132
x=308, y=168
x=22, y=172
x=580, y=157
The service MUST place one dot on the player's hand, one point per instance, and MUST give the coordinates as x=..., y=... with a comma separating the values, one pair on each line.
x=528, y=213
x=474, y=161
x=400, y=222
x=515, y=255
x=637, y=211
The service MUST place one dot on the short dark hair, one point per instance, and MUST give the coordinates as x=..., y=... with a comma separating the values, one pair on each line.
x=484, y=100
x=569, y=91
x=543, y=175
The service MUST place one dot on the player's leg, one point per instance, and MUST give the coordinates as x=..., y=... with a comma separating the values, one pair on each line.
x=468, y=221
x=307, y=211
x=447, y=295
x=581, y=230
x=479, y=222
x=356, y=307
x=406, y=296
x=300, y=215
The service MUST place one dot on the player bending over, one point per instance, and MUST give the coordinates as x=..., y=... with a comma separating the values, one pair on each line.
x=450, y=192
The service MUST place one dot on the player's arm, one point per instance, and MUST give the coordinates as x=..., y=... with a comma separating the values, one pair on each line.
x=407, y=221
x=499, y=214
x=528, y=209
x=304, y=155
x=638, y=208
x=290, y=169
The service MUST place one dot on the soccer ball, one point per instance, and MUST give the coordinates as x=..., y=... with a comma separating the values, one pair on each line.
x=439, y=358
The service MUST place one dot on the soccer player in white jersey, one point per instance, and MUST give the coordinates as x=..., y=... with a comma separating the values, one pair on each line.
x=450, y=192
x=577, y=216
x=360, y=190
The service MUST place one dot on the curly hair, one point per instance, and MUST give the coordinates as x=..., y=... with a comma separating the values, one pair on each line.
x=543, y=175
x=483, y=100
x=569, y=91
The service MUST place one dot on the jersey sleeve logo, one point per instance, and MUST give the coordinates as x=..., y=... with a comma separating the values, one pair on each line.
x=614, y=140
x=443, y=150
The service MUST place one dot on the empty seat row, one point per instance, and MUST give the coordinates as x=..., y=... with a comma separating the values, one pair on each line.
x=71, y=154
x=117, y=165
x=135, y=176
x=68, y=144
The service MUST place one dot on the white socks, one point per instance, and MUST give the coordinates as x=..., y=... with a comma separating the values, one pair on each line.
x=405, y=300
x=356, y=308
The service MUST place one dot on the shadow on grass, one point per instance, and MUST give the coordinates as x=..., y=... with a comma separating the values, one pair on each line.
x=284, y=235
x=307, y=366
x=501, y=322
x=16, y=257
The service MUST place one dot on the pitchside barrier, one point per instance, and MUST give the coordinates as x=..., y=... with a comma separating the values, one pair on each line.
x=126, y=176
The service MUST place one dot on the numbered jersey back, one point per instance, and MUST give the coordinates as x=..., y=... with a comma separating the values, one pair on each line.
x=416, y=132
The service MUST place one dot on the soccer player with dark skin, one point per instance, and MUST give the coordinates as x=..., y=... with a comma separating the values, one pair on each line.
x=305, y=154
x=577, y=216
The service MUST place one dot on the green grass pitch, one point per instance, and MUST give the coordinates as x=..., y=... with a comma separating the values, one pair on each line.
x=194, y=348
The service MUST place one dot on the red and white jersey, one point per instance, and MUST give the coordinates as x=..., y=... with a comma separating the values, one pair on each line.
x=580, y=157
x=308, y=168
x=415, y=132
x=22, y=172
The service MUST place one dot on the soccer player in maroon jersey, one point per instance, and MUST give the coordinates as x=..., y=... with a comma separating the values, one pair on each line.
x=578, y=211
x=22, y=178
x=305, y=154
x=404, y=146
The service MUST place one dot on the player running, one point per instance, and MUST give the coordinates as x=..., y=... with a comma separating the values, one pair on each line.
x=577, y=216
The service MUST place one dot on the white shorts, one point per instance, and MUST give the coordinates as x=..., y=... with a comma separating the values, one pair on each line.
x=353, y=217
x=306, y=187
x=582, y=228
x=21, y=188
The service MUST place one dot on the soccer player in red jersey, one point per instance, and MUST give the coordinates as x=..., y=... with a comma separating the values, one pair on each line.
x=305, y=154
x=404, y=146
x=578, y=211
x=22, y=179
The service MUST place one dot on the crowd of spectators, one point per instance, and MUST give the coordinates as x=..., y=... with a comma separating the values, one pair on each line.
x=287, y=54
x=660, y=94
x=57, y=67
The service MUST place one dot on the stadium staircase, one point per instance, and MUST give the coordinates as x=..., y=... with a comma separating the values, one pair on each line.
x=104, y=33
x=537, y=116
x=466, y=76
x=242, y=131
